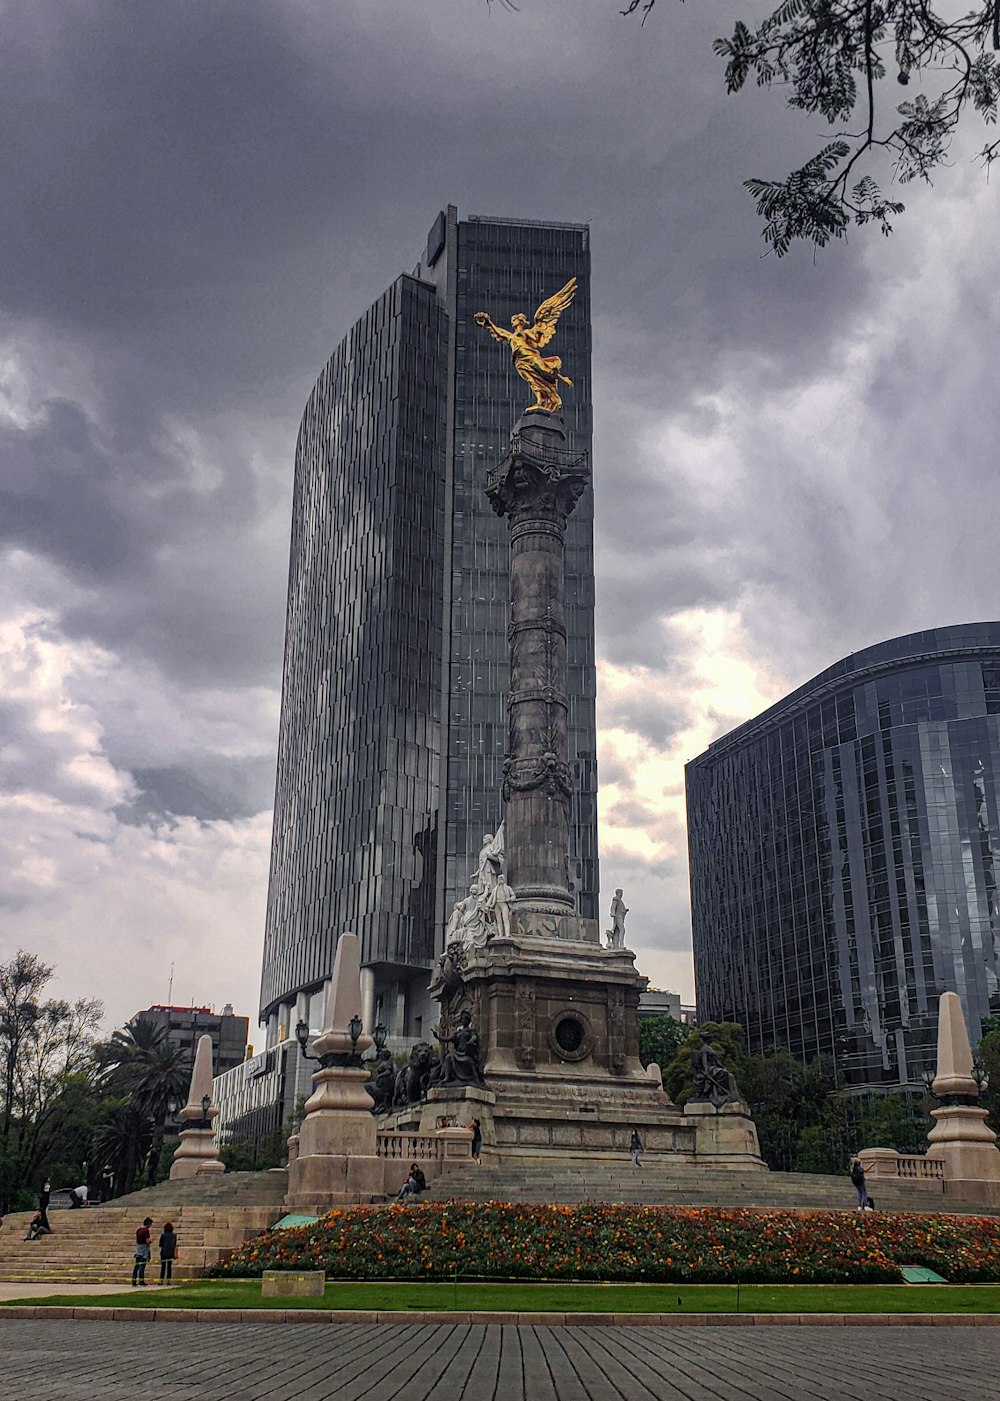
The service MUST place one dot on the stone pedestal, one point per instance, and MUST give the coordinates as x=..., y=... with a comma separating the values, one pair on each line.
x=557, y=1024
x=196, y=1155
x=335, y=1159
x=292, y=1284
x=724, y=1137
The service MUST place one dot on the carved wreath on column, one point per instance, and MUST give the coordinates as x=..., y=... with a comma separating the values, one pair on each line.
x=547, y=772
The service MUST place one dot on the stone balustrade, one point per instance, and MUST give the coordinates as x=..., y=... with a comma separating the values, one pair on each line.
x=448, y=1143
x=886, y=1162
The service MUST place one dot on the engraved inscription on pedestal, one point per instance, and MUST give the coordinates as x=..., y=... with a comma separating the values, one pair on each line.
x=616, y=1029
x=524, y=1024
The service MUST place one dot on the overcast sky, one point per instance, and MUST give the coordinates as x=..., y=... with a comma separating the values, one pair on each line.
x=793, y=459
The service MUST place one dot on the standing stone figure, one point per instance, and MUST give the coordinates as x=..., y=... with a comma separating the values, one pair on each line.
x=501, y=901
x=476, y=919
x=615, y=936
x=491, y=861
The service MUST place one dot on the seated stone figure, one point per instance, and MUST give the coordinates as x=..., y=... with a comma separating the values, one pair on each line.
x=713, y=1082
x=461, y=1063
x=382, y=1084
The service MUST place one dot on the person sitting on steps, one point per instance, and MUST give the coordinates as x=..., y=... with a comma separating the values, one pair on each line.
x=415, y=1182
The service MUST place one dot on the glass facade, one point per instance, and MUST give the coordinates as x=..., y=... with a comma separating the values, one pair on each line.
x=393, y=723
x=356, y=796
x=844, y=852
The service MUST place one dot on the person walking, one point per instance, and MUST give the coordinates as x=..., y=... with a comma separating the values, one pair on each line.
x=44, y=1197
x=142, y=1252
x=635, y=1148
x=168, y=1252
x=860, y=1185
x=477, y=1140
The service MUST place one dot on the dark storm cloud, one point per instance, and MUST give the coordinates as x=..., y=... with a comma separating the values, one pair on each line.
x=203, y=197
x=219, y=789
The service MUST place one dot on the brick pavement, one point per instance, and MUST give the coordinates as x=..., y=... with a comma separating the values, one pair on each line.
x=69, y=1360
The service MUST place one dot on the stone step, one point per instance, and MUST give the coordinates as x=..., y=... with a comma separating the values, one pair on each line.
x=666, y=1183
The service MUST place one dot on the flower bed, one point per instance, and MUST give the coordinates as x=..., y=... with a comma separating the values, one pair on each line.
x=501, y=1240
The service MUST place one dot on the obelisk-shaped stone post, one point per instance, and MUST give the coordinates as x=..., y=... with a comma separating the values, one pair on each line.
x=961, y=1135
x=196, y=1152
x=535, y=489
x=335, y=1156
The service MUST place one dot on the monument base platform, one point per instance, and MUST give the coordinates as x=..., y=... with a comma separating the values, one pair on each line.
x=562, y=1122
x=556, y=1017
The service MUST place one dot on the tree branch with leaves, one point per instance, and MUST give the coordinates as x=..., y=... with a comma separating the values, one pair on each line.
x=831, y=56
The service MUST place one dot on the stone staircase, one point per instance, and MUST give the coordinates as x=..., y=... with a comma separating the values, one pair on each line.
x=660, y=1183
x=212, y=1216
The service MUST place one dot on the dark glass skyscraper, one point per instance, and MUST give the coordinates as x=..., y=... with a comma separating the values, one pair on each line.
x=845, y=853
x=393, y=728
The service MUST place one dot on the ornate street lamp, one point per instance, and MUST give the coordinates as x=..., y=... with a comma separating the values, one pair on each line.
x=354, y=1029
x=379, y=1036
x=980, y=1075
x=206, y=1104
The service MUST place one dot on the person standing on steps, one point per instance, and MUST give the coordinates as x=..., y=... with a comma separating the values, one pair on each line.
x=477, y=1141
x=635, y=1148
x=142, y=1252
x=168, y=1252
x=860, y=1185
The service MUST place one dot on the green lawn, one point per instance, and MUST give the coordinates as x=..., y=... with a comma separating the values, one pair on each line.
x=565, y=1298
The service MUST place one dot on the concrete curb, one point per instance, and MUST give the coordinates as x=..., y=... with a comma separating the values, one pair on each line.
x=523, y=1320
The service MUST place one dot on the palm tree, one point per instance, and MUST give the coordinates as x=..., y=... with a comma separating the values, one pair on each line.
x=141, y=1064
x=122, y=1142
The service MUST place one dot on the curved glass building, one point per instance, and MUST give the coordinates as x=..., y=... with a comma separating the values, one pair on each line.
x=393, y=725
x=845, y=852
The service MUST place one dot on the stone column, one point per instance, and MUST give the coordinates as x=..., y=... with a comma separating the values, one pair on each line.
x=535, y=488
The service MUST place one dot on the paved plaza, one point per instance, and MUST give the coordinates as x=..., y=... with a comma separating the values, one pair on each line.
x=70, y=1360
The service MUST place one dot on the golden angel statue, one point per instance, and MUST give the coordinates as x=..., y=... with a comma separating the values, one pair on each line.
x=541, y=372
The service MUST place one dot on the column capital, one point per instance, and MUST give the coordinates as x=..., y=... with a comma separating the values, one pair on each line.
x=540, y=478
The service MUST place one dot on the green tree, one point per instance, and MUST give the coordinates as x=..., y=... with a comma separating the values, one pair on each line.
x=46, y=1054
x=988, y=1054
x=121, y=1141
x=141, y=1067
x=659, y=1039
x=831, y=57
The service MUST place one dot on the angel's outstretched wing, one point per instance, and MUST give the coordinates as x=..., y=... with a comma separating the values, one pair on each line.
x=549, y=312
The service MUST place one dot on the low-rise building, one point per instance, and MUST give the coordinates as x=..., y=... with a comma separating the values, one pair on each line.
x=184, y=1025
